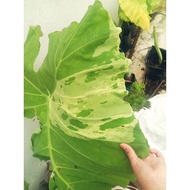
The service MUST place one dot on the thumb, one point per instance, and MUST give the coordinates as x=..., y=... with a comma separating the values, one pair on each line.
x=130, y=152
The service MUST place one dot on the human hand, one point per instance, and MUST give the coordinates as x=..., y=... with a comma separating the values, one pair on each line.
x=151, y=171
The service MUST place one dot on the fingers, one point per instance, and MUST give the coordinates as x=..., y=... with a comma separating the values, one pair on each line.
x=156, y=152
x=129, y=151
x=134, y=158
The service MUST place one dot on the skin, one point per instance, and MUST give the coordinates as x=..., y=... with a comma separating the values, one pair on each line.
x=151, y=171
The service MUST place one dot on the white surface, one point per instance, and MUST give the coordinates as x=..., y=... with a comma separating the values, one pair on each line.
x=153, y=122
x=34, y=169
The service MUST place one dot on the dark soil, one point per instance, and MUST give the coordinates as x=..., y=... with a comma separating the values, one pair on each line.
x=154, y=70
x=128, y=36
x=154, y=87
x=155, y=77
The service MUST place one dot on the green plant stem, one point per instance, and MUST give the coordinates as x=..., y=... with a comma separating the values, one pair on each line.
x=156, y=46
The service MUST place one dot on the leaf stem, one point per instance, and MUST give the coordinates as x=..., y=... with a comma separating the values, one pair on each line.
x=156, y=46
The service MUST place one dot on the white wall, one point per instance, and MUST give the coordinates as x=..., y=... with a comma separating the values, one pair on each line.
x=54, y=15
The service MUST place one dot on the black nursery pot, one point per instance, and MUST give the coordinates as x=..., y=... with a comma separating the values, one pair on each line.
x=153, y=70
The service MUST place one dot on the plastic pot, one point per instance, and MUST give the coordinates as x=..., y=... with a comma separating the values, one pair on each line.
x=154, y=71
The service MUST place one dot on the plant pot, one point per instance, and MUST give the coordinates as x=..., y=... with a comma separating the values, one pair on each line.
x=154, y=71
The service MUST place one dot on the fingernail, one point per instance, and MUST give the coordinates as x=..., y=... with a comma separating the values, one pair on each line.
x=123, y=146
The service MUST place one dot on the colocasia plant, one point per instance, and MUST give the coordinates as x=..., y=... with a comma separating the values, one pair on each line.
x=77, y=96
x=139, y=11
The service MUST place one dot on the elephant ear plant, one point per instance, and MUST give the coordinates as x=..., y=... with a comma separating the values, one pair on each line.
x=77, y=95
x=139, y=11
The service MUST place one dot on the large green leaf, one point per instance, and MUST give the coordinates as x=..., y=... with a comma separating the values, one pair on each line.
x=77, y=94
x=138, y=11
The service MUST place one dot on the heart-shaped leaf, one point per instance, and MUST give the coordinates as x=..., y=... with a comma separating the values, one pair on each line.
x=77, y=95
